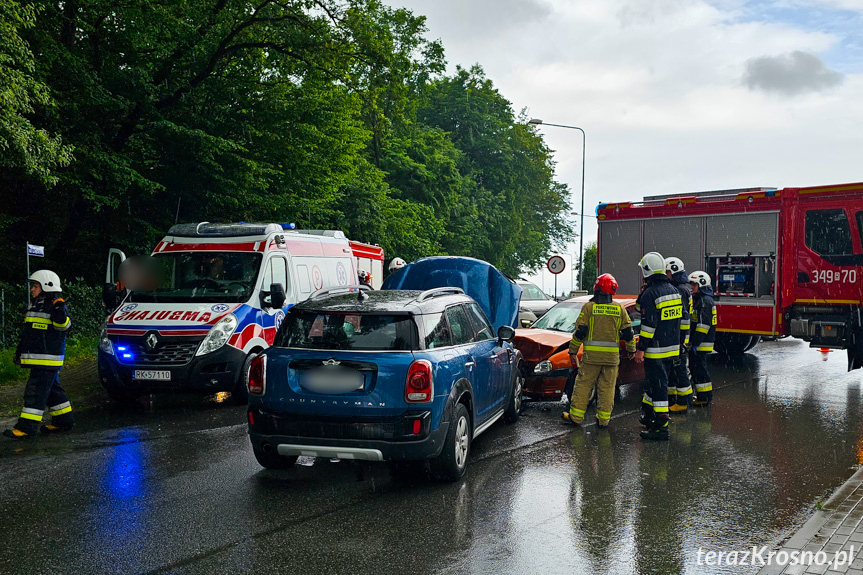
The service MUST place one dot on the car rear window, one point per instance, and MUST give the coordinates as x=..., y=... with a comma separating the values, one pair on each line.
x=346, y=331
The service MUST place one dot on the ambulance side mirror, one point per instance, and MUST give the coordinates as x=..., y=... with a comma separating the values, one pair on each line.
x=278, y=297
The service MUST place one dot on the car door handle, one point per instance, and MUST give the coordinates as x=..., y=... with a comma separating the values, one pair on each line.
x=470, y=364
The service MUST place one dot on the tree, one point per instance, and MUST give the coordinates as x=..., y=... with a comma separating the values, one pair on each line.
x=589, y=271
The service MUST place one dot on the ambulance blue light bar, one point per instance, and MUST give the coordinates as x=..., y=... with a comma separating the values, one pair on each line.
x=230, y=230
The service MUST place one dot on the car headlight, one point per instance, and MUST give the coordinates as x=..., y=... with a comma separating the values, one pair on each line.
x=543, y=367
x=105, y=343
x=218, y=335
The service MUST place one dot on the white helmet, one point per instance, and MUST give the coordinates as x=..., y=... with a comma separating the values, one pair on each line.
x=673, y=265
x=699, y=278
x=652, y=263
x=397, y=264
x=49, y=281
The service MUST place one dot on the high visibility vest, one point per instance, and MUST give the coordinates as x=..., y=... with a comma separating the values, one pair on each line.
x=43, y=338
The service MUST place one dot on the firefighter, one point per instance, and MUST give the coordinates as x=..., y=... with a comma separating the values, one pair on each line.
x=365, y=278
x=679, y=386
x=397, y=264
x=703, y=336
x=659, y=342
x=41, y=348
x=601, y=325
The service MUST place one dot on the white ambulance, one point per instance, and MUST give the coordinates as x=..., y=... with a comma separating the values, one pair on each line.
x=224, y=293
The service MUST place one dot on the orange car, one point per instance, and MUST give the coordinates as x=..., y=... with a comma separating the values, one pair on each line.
x=545, y=347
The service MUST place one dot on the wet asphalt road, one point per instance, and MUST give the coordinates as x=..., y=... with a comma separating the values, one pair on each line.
x=173, y=488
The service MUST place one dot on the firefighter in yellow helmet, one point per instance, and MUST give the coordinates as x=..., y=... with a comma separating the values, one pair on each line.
x=41, y=349
x=601, y=325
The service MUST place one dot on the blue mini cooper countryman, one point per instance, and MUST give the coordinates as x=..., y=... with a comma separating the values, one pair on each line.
x=388, y=375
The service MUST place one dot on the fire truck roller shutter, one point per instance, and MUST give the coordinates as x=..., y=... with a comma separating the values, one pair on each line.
x=740, y=234
x=676, y=237
x=620, y=250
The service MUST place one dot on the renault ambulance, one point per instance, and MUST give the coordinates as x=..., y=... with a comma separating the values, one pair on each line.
x=223, y=293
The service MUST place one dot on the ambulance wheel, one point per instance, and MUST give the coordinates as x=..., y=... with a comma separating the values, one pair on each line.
x=121, y=395
x=240, y=393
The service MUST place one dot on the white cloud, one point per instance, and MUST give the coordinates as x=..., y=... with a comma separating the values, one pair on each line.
x=659, y=89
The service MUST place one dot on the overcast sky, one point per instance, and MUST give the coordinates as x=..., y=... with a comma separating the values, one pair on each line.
x=674, y=95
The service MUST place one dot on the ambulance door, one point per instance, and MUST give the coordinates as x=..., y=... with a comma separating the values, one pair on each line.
x=112, y=292
x=275, y=272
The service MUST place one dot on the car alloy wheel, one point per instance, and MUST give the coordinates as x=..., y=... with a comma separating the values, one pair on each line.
x=462, y=442
x=519, y=384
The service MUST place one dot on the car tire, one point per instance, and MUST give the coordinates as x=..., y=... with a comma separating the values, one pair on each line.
x=450, y=465
x=513, y=409
x=240, y=393
x=274, y=460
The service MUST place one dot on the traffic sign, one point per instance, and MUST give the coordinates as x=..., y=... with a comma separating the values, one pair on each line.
x=555, y=264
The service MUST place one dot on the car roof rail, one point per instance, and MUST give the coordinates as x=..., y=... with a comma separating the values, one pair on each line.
x=330, y=291
x=439, y=291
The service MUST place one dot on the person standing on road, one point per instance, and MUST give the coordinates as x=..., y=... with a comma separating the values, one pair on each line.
x=41, y=349
x=679, y=386
x=659, y=342
x=601, y=325
x=703, y=335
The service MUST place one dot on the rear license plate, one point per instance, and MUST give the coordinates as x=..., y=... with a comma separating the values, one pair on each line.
x=151, y=375
x=332, y=380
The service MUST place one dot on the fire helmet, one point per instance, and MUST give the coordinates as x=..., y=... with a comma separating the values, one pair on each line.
x=652, y=263
x=673, y=265
x=701, y=279
x=606, y=284
x=397, y=264
x=364, y=277
x=49, y=281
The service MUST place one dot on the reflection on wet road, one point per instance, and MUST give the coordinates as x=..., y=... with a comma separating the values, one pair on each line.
x=175, y=489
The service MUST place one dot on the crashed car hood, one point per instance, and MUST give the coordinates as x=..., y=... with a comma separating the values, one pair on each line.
x=538, y=344
x=496, y=294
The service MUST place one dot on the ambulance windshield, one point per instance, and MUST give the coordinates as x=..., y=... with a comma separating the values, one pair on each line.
x=205, y=277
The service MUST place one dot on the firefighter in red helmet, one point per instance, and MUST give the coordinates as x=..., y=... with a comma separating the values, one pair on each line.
x=600, y=327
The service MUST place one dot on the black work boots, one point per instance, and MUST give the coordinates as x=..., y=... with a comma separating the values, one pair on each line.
x=658, y=429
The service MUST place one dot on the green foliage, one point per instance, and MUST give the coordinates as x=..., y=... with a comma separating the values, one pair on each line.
x=589, y=271
x=327, y=113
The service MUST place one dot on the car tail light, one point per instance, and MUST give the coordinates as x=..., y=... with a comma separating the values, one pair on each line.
x=419, y=388
x=257, y=382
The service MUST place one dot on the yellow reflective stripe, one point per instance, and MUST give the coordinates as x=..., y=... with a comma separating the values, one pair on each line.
x=37, y=320
x=658, y=409
x=705, y=347
x=48, y=362
x=61, y=325
x=646, y=400
x=662, y=355
x=62, y=411
x=704, y=386
x=600, y=348
x=647, y=334
x=702, y=329
x=684, y=391
x=603, y=414
x=671, y=302
x=576, y=412
x=32, y=416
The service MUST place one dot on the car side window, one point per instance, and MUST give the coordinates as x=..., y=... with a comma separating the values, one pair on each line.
x=483, y=329
x=462, y=331
x=635, y=317
x=437, y=331
x=280, y=272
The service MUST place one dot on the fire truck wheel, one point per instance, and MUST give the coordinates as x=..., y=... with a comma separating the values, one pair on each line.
x=732, y=343
x=753, y=343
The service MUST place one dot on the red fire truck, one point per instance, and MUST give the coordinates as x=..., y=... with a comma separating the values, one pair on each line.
x=783, y=262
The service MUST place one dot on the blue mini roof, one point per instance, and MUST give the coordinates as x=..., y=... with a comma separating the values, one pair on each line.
x=497, y=295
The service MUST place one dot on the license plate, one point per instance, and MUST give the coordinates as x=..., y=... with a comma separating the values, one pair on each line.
x=151, y=375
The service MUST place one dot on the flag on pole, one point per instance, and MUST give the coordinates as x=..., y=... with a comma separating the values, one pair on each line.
x=37, y=251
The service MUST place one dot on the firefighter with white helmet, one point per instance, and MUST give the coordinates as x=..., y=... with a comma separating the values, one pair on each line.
x=41, y=349
x=600, y=326
x=659, y=342
x=397, y=264
x=703, y=335
x=679, y=386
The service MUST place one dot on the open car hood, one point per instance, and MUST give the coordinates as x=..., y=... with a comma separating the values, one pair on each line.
x=539, y=344
x=496, y=294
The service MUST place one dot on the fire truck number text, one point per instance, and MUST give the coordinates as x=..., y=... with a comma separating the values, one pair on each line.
x=830, y=276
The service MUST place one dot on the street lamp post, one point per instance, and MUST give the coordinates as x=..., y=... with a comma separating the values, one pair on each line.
x=538, y=122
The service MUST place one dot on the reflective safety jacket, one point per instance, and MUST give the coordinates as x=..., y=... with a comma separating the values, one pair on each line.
x=43, y=339
x=661, y=311
x=601, y=326
x=681, y=282
x=703, y=320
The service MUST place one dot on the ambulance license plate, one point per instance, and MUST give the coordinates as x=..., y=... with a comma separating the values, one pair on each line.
x=151, y=375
